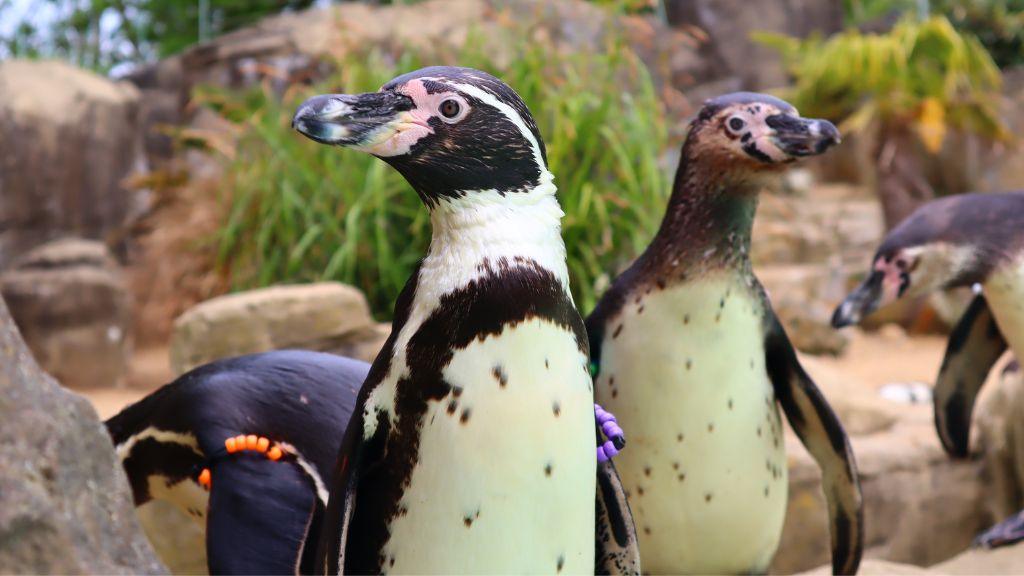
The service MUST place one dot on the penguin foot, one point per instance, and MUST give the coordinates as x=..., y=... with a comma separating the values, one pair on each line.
x=254, y=443
x=1008, y=531
x=616, y=438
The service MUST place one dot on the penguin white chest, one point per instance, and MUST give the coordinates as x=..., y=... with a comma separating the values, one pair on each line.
x=683, y=369
x=505, y=478
x=1004, y=291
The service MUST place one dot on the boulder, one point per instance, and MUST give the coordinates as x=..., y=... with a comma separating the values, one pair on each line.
x=70, y=301
x=803, y=297
x=297, y=47
x=873, y=567
x=1004, y=560
x=920, y=507
x=65, y=506
x=729, y=24
x=998, y=435
x=68, y=139
x=324, y=316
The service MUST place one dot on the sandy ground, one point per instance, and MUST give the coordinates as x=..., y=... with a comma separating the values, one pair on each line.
x=872, y=360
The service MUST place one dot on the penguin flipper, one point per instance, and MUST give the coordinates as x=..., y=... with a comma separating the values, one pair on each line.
x=821, y=432
x=974, y=346
x=617, y=549
x=259, y=514
x=356, y=455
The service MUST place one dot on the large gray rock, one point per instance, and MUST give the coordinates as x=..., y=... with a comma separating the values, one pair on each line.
x=65, y=507
x=999, y=437
x=729, y=24
x=920, y=506
x=67, y=141
x=297, y=46
x=327, y=316
x=70, y=301
x=1005, y=560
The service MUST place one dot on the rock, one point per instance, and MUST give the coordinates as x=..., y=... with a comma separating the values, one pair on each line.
x=808, y=324
x=65, y=507
x=70, y=301
x=68, y=139
x=312, y=316
x=998, y=434
x=803, y=297
x=873, y=567
x=920, y=507
x=861, y=410
x=1004, y=560
x=362, y=344
x=297, y=47
x=729, y=24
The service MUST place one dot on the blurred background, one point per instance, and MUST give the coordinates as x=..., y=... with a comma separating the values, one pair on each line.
x=157, y=212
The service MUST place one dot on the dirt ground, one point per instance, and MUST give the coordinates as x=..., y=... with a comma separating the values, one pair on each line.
x=872, y=360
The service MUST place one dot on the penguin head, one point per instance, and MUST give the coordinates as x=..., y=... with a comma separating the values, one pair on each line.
x=746, y=130
x=450, y=131
x=932, y=249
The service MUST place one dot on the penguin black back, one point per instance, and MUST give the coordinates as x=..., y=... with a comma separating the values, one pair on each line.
x=259, y=510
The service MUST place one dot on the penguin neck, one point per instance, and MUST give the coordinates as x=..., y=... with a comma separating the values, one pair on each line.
x=707, y=225
x=478, y=229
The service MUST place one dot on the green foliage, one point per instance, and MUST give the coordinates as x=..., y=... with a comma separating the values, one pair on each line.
x=998, y=24
x=922, y=75
x=298, y=211
x=101, y=34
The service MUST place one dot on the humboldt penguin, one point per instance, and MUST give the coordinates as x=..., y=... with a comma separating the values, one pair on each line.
x=471, y=449
x=957, y=241
x=245, y=447
x=693, y=361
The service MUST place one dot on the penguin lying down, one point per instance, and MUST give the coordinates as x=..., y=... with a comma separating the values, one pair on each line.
x=955, y=242
x=244, y=445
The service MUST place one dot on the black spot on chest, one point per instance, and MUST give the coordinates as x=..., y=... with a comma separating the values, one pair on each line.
x=507, y=294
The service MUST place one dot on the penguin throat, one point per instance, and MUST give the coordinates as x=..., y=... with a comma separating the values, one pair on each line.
x=708, y=221
x=481, y=226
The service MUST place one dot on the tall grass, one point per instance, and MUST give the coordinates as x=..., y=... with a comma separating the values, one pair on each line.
x=298, y=211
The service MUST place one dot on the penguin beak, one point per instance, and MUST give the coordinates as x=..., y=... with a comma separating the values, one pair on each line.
x=798, y=137
x=352, y=120
x=864, y=300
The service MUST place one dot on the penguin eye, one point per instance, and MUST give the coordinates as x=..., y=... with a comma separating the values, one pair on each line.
x=735, y=124
x=450, y=108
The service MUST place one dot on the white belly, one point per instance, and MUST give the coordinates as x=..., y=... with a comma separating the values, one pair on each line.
x=1004, y=291
x=506, y=482
x=705, y=463
x=191, y=498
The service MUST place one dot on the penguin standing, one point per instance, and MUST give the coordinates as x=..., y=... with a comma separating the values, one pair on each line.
x=189, y=443
x=693, y=361
x=472, y=446
x=953, y=242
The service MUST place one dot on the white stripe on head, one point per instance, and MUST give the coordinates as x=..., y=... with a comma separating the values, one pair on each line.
x=509, y=112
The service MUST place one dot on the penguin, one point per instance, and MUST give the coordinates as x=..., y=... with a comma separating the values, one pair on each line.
x=692, y=359
x=244, y=446
x=471, y=449
x=966, y=240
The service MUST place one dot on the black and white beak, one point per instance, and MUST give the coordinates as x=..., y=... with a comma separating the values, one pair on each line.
x=864, y=300
x=352, y=120
x=799, y=137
